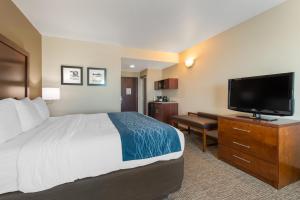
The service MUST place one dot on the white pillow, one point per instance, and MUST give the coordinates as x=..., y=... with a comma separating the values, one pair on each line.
x=29, y=116
x=42, y=108
x=10, y=125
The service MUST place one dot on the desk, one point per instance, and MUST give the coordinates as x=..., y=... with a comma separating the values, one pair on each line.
x=205, y=122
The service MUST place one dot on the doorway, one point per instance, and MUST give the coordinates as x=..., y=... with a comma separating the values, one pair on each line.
x=129, y=94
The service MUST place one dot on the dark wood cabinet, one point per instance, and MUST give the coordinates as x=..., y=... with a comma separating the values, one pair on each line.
x=163, y=111
x=269, y=151
x=170, y=83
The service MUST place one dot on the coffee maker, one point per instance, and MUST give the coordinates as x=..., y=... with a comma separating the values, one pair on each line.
x=162, y=98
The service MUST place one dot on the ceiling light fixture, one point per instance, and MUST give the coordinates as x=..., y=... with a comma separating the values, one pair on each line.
x=131, y=66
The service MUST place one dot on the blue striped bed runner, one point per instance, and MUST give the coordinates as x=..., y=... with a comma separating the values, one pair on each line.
x=144, y=137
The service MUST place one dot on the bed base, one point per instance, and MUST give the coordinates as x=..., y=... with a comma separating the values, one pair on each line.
x=151, y=182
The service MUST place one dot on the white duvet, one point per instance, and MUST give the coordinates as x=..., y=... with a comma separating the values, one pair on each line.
x=73, y=147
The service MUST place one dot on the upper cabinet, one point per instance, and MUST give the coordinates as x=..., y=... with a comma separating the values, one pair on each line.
x=170, y=83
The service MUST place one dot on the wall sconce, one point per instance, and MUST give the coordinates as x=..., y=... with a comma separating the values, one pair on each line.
x=51, y=94
x=189, y=62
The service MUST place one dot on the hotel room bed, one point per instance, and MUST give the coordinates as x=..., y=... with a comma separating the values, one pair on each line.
x=74, y=147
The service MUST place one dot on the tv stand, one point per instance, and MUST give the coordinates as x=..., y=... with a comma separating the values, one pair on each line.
x=258, y=117
x=269, y=151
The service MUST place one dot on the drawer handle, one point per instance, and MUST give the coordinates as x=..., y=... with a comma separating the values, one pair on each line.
x=242, y=159
x=242, y=145
x=243, y=130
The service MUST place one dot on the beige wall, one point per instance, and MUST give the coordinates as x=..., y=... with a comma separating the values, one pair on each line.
x=268, y=43
x=82, y=99
x=89, y=99
x=15, y=26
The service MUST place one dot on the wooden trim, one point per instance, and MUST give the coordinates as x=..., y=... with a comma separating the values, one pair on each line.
x=145, y=95
x=137, y=93
x=27, y=69
x=11, y=44
x=281, y=122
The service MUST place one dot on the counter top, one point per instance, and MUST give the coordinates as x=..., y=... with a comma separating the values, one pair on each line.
x=163, y=102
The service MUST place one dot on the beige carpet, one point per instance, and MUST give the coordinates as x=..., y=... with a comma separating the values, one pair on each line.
x=207, y=178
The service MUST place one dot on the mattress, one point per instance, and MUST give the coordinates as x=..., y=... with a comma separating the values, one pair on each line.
x=9, y=152
x=91, y=144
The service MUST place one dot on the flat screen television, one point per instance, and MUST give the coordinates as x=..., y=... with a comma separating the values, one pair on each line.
x=267, y=95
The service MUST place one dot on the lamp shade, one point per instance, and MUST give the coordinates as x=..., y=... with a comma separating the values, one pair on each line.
x=51, y=93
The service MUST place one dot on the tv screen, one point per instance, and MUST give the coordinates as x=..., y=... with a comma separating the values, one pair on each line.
x=270, y=94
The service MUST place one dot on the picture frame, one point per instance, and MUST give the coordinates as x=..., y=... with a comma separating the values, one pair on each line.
x=71, y=75
x=96, y=76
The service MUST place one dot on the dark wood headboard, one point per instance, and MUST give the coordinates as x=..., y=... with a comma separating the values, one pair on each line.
x=13, y=70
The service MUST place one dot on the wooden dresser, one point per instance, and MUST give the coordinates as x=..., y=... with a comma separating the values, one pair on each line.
x=163, y=111
x=269, y=151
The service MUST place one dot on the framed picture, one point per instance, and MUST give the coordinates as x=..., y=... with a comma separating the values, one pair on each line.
x=96, y=76
x=71, y=75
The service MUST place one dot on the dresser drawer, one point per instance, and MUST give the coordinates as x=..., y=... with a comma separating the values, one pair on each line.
x=260, y=168
x=251, y=139
x=247, y=144
x=263, y=134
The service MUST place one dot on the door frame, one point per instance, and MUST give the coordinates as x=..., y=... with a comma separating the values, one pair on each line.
x=144, y=95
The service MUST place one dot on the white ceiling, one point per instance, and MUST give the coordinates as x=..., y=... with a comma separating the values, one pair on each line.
x=165, y=25
x=141, y=65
